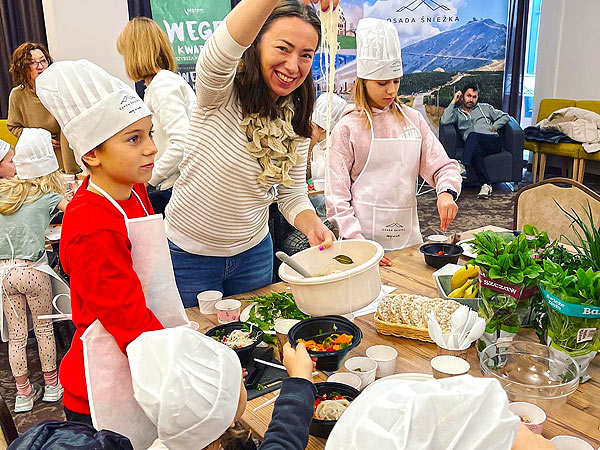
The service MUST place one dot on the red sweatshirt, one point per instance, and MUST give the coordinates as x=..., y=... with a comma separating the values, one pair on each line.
x=96, y=254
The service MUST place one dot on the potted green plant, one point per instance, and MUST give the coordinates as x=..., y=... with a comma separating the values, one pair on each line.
x=508, y=279
x=571, y=290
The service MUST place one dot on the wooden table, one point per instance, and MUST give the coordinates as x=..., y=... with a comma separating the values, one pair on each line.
x=580, y=416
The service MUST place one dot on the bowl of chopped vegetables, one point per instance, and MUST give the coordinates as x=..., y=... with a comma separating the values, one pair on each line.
x=327, y=338
x=239, y=336
x=331, y=401
x=438, y=255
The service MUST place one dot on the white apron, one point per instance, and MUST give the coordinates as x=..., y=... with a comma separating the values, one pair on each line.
x=108, y=377
x=384, y=196
x=61, y=298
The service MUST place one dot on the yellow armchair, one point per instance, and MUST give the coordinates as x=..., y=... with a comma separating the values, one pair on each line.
x=6, y=135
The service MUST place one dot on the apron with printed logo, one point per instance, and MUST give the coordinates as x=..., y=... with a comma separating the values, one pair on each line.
x=384, y=196
x=110, y=389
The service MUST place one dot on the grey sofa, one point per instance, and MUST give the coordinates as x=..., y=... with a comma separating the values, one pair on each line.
x=506, y=166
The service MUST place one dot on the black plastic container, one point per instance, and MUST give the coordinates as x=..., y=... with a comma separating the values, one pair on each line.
x=307, y=328
x=244, y=353
x=322, y=428
x=452, y=253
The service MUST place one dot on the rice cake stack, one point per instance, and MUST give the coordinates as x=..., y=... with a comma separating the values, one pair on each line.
x=406, y=315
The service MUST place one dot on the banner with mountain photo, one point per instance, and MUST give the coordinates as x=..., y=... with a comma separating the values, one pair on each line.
x=188, y=25
x=445, y=44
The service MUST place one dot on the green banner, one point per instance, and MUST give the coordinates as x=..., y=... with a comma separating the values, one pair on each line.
x=189, y=24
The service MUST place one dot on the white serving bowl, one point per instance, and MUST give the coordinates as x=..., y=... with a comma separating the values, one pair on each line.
x=339, y=293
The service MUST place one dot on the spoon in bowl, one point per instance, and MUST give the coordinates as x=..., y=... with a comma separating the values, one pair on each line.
x=284, y=257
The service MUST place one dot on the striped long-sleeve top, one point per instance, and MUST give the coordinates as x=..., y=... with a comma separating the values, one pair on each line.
x=218, y=207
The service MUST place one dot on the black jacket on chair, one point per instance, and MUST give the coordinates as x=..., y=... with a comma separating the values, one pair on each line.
x=506, y=166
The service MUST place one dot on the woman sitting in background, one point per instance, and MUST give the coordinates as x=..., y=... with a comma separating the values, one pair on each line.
x=28, y=61
x=149, y=58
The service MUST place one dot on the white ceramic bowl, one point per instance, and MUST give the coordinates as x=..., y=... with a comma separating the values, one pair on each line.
x=346, y=378
x=367, y=367
x=341, y=293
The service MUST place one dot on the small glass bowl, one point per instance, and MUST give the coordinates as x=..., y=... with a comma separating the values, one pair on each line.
x=529, y=373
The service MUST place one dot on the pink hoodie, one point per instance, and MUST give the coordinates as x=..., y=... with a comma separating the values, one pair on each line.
x=350, y=144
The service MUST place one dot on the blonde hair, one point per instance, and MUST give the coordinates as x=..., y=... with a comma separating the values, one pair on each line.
x=145, y=48
x=15, y=192
x=361, y=100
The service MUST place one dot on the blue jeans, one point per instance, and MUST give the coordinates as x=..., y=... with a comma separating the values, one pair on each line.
x=231, y=275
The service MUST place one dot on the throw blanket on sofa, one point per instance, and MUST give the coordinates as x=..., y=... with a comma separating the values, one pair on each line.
x=579, y=124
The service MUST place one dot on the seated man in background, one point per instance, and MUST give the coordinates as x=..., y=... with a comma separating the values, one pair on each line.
x=478, y=125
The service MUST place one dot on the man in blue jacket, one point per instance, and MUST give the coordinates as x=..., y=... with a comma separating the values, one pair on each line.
x=478, y=124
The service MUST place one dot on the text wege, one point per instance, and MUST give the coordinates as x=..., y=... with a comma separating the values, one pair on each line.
x=191, y=30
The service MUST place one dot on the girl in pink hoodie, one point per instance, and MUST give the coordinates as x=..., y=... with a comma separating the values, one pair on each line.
x=378, y=150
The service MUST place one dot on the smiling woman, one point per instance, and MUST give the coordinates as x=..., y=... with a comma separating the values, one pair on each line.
x=249, y=133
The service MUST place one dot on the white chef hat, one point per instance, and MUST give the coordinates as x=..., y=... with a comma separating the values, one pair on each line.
x=34, y=154
x=90, y=105
x=378, y=52
x=187, y=383
x=319, y=115
x=463, y=413
x=4, y=148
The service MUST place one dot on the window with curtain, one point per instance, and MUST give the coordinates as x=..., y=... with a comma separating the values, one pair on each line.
x=535, y=12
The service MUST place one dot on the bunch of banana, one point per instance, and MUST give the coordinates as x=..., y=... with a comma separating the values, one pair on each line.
x=465, y=283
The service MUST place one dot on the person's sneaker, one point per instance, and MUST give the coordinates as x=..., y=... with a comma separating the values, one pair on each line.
x=24, y=403
x=463, y=170
x=485, y=192
x=53, y=393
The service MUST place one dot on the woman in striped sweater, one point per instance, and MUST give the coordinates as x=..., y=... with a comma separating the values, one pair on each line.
x=247, y=146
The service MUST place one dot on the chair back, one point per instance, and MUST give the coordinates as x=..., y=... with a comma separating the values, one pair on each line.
x=6, y=135
x=536, y=205
x=549, y=105
x=8, y=430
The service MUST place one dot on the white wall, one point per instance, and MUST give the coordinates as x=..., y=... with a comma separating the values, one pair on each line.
x=568, y=61
x=87, y=29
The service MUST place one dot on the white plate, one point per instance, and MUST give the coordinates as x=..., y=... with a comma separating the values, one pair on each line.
x=53, y=232
x=406, y=377
x=468, y=250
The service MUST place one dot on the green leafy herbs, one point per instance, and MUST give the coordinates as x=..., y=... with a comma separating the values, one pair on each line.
x=587, y=243
x=508, y=259
x=272, y=307
x=343, y=259
x=580, y=287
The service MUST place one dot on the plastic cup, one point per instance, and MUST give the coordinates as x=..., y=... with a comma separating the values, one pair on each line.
x=346, y=378
x=282, y=327
x=385, y=357
x=570, y=443
x=193, y=325
x=458, y=353
x=446, y=366
x=534, y=413
x=228, y=310
x=364, y=368
x=207, y=301
x=437, y=238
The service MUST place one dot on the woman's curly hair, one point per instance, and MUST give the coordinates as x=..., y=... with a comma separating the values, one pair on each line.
x=20, y=63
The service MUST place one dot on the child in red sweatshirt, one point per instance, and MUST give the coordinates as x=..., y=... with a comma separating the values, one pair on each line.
x=109, y=128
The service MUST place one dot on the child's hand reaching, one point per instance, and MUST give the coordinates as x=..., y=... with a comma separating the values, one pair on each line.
x=297, y=361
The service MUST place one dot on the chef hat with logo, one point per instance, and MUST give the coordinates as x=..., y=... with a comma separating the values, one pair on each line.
x=90, y=105
x=4, y=149
x=34, y=154
x=319, y=115
x=188, y=384
x=378, y=52
x=463, y=413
